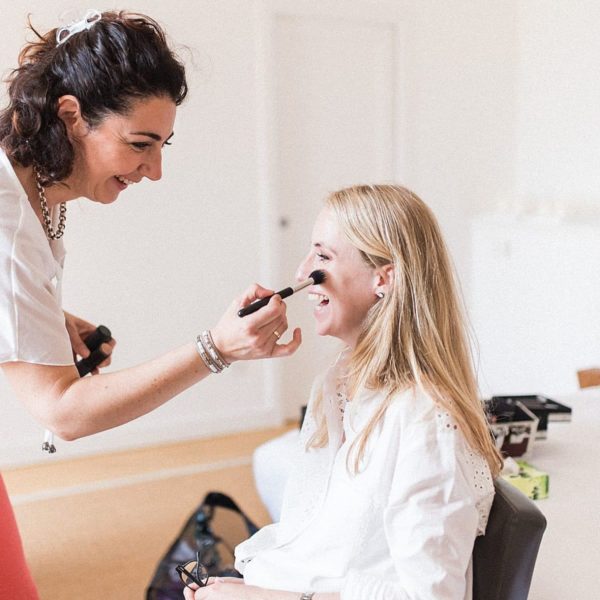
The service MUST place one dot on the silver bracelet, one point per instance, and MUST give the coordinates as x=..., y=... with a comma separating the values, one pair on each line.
x=206, y=358
x=209, y=353
x=209, y=344
x=307, y=596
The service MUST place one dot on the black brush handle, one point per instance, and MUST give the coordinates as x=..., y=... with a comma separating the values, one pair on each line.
x=93, y=341
x=251, y=308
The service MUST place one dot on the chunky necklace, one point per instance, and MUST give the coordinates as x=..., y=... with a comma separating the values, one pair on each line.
x=62, y=218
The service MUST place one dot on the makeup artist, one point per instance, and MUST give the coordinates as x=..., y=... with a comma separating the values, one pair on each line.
x=90, y=110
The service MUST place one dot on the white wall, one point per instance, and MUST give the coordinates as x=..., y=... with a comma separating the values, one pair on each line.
x=558, y=92
x=461, y=110
x=500, y=109
x=535, y=290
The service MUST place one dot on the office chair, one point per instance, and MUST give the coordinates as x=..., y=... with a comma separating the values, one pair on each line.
x=504, y=558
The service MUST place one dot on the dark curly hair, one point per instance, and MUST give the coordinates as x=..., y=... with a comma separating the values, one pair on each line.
x=122, y=58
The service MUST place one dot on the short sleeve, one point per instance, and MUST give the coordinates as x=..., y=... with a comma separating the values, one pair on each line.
x=32, y=323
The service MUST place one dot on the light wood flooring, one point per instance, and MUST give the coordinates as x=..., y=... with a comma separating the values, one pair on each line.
x=96, y=527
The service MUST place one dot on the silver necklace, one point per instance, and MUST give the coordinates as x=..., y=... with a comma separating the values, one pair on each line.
x=62, y=217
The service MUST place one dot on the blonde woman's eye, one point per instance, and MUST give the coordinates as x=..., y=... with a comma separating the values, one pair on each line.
x=322, y=257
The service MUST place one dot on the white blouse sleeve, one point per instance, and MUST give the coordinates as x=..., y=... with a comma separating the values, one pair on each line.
x=431, y=521
x=32, y=323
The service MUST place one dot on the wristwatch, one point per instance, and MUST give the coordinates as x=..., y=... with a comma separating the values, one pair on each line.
x=307, y=596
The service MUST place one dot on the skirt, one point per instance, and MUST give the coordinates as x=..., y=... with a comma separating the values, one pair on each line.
x=15, y=579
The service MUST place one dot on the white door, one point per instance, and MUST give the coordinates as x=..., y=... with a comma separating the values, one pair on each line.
x=332, y=116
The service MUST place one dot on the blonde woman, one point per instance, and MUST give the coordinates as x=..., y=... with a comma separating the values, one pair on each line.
x=395, y=477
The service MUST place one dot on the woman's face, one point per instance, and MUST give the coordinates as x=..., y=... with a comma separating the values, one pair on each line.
x=348, y=292
x=122, y=150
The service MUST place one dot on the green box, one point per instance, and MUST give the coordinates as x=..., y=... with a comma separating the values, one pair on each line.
x=532, y=482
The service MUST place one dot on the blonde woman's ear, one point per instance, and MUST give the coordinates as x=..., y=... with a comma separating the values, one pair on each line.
x=385, y=276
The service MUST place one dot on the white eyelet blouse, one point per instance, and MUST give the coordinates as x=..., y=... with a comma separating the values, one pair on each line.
x=403, y=528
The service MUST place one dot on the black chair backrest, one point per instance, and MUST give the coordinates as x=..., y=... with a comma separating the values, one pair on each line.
x=504, y=558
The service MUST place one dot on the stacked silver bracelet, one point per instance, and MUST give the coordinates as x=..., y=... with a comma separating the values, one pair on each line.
x=209, y=353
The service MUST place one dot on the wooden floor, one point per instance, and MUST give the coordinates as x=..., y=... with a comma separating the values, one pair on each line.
x=96, y=527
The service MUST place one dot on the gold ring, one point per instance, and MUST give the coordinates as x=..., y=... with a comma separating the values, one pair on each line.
x=277, y=334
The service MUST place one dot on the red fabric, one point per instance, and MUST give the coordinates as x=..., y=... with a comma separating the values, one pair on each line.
x=15, y=580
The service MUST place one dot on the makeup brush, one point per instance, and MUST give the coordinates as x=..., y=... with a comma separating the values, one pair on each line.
x=315, y=278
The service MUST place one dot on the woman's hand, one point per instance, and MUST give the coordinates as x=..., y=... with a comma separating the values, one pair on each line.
x=233, y=588
x=218, y=587
x=79, y=330
x=256, y=335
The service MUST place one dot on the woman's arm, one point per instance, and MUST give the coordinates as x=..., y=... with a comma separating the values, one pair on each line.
x=74, y=407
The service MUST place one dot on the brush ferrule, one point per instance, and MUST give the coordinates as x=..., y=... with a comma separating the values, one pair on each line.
x=303, y=284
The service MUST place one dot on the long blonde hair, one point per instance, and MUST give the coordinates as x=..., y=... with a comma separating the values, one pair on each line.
x=415, y=336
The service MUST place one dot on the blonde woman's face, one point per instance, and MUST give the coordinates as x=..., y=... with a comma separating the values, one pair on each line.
x=340, y=303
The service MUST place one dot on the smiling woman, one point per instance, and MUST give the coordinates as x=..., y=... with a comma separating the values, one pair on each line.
x=90, y=108
x=121, y=150
x=391, y=481
x=351, y=284
x=66, y=86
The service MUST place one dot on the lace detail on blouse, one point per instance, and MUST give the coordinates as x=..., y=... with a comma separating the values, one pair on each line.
x=479, y=472
x=443, y=418
x=481, y=479
x=341, y=396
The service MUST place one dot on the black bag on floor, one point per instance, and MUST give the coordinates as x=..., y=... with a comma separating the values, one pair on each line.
x=213, y=530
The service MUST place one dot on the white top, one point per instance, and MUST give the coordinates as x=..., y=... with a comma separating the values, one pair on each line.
x=402, y=528
x=32, y=323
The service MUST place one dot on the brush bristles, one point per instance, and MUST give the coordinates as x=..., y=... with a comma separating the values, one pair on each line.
x=318, y=277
